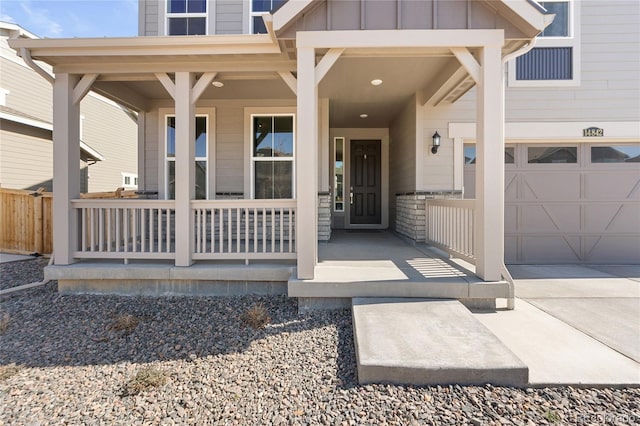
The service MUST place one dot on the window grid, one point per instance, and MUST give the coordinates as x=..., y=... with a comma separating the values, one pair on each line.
x=171, y=159
x=192, y=12
x=272, y=158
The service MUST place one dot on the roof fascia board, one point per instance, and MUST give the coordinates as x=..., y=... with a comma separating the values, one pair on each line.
x=153, y=46
x=400, y=38
x=289, y=11
x=530, y=13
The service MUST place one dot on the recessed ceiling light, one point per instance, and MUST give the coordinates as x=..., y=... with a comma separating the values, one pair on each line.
x=376, y=82
x=217, y=83
x=364, y=115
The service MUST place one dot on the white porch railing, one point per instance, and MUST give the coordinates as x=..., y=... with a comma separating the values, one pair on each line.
x=125, y=229
x=450, y=227
x=244, y=229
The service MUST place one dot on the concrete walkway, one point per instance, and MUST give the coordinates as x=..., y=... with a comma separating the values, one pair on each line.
x=6, y=257
x=574, y=325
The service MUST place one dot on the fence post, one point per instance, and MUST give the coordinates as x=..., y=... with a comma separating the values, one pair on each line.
x=38, y=222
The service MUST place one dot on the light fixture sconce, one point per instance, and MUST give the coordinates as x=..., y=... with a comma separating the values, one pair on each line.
x=436, y=143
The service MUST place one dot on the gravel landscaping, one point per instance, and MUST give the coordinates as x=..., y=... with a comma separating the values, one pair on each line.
x=244, y=360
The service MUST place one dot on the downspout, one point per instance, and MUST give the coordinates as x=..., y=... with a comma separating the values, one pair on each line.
x=506, y=275
x=26, y=56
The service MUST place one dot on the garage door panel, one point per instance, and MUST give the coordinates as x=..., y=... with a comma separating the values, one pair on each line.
x=619, y=249
x=550, y=249
x=612, y=185
x=510, y=218
x=613, y=217
x=510, y=249
x=556, y=186
x=550, y=218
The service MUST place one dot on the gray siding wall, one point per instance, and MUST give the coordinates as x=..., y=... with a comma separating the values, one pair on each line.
x=610, y=86
x=229, y=16
x=402, y=160
x=225, y=17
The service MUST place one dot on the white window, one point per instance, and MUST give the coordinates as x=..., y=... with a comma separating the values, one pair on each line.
x=259, y=8
x=272, y=156
x=555, y=60
x=129, y=180
x=201, y=156
x=186, y=17
x=338, y=175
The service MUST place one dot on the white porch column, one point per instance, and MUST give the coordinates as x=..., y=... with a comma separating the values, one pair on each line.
x=66, y=167
x=307, y=165
x=490, y=167
x=185, y=167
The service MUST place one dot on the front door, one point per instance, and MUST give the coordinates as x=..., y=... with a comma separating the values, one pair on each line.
x=366, y=188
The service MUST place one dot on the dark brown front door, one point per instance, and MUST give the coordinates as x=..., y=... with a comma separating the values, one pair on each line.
x=365, y=188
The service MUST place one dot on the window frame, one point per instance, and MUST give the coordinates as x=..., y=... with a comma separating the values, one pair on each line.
x=253, y=14
x=334, y=191
x=249, y=170
x=170, y=15
x=133, y=177
x=167, y=159
x=572, y=41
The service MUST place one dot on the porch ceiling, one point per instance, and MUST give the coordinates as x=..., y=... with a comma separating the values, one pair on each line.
x=349, y=89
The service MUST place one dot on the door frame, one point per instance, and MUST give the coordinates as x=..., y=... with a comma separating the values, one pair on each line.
x=342, y=220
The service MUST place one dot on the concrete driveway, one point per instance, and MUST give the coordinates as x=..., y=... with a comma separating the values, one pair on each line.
x=577, y=325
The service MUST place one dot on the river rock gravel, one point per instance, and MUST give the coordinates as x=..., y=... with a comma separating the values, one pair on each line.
x=68, y=360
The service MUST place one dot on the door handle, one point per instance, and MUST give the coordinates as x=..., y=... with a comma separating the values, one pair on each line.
x=351, y=196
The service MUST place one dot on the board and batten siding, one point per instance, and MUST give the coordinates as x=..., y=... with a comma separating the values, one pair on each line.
x=610, y=68
x=149, y=17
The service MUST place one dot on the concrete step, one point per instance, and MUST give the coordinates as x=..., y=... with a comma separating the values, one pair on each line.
x=429, y=342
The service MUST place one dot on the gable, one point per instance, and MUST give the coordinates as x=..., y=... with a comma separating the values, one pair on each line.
x=336, y=15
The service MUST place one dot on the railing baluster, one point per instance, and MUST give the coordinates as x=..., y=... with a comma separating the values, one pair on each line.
x=238, y=219
x=246, y=230
x=229, y=230
x=255, y=230
x=264, y=230
x=281, y=229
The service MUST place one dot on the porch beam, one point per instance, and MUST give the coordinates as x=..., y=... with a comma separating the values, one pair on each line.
x=123, y=95
x=66, y=167
x=307, y=165
x=447, y=80
x=201, y=85
x=399, y=38
x=82, y=88
x=325, y=64
x=184, y=167
x=168, y=84
x=289, y=80
x=271, y=64
x=489, y=225
x=468, y=62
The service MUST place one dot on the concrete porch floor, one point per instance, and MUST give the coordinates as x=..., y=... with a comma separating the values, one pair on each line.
x=381, y=264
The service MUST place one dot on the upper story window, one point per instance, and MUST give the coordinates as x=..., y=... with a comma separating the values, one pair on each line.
x=186, y=17
x=259, y=8
x=555, y=61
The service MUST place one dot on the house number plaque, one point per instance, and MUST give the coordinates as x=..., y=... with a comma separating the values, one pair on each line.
x=593, y=132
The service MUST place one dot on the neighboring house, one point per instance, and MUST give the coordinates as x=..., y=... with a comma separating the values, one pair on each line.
x=263, y=131
x=108, y=132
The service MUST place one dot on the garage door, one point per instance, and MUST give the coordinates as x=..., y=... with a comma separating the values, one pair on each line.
x=569, y=203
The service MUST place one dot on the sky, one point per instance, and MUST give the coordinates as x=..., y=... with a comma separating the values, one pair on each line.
x=73, y=18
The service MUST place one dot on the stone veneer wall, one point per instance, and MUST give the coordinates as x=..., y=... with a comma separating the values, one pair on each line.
x=411, y=212
x=324, y=216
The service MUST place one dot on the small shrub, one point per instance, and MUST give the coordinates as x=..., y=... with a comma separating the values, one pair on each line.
x=256, y=316
x=5, y=318
x=7, y=371
x=145, y=379
x=125, y=323
x=552, y=416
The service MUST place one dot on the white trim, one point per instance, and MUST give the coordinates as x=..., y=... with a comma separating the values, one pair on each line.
x=532, y=132
x=253, y=159
x=133, y=183
x=573, y=41
x=169, y=15
x=26, y=121
x=249, y=112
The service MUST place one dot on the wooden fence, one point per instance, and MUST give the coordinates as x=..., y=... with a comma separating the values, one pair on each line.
x=26, y=219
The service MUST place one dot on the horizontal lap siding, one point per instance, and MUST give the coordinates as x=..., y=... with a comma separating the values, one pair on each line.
x=229, y=16
x=25, y=86
x=230, y=150
x=610, y=65
x=26, y=157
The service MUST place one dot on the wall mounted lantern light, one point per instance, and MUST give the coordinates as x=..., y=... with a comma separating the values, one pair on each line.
x=436, y=142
